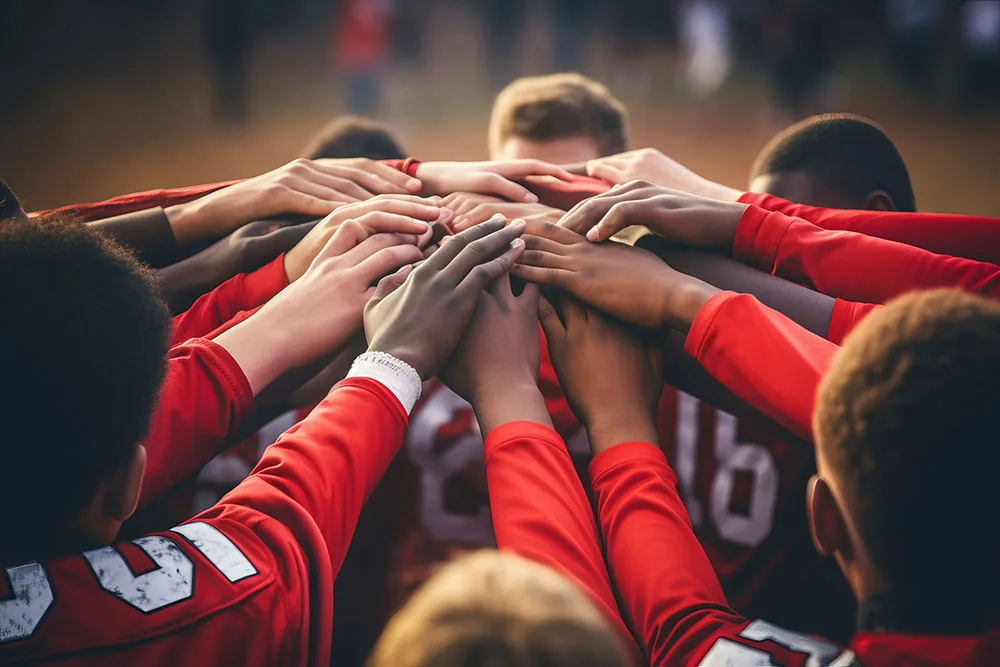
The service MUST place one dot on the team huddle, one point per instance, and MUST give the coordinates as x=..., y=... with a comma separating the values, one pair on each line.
x=557, y=408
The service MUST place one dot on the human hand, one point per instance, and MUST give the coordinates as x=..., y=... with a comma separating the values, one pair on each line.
x=649, y=164
x=401, y=214
x=490, y=178
x=419, y=316
x=306, y=187
x=472, y=209
x=632, y=284
x=676, y=216
x=319, y=312
x=610, y=377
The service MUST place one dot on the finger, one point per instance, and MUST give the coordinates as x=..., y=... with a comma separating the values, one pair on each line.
x=492, y=183
x=553, y=327
x=606, y=171
x=545, y=260
x=386, y=261
x=480, y=251
x=551, y=231
x=528, y=298
x=311, y=205
x=373, y=244
x=585, y=215
x=574, y=312
x=619, y=216
x=501, y=289
x=478, y=215
x=347, y=237
x=407, y=182
x=541, y=275
x=371, y=182
x=382, y=221
x=482, y=275
x=518, y=169
x=317, y=182
x=450, y=250
x=401, y=182
x=389, y=284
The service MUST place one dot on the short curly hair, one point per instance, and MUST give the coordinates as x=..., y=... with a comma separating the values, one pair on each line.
x=906, y=418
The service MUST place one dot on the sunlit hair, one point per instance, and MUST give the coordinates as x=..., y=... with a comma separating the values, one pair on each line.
x=490, y=609
x=558, y=106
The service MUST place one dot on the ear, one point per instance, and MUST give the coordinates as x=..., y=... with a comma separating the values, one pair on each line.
x=122, y=490
x=826, y=521
x=879, y=200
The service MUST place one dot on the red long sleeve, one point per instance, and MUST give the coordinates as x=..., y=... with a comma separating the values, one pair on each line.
x=851, y=265
x=245, y=291
x=669, y=591
x=204, y=397
x=845, y=316
x=249, y=581
x=967, y=236
x=763, y=357
x=541, y=512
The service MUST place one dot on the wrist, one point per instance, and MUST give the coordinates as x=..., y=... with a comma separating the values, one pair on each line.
x=717, y=191
x=264, y=350
x=610, y=426
x=521, y=401
x=682, y=301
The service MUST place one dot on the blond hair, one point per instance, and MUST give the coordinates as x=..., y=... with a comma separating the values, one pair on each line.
x=557, y=106
x=498, y=610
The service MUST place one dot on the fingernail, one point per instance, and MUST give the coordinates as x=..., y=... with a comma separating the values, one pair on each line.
x=445, y=214
x=592, y=234
x=518, y=223
x=499, y=217
x=517, y=243
x=531, y=198
x=413, y=184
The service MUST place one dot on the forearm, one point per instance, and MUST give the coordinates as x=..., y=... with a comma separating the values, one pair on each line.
x=147, y=232
x=517, y=401
x=263, y=347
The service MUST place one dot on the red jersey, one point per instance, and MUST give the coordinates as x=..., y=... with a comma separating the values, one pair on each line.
x=249, y=581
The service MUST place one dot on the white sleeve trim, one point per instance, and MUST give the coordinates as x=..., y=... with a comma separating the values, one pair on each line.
x=394, y=374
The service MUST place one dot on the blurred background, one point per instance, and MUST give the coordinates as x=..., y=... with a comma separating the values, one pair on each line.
x=105, y=97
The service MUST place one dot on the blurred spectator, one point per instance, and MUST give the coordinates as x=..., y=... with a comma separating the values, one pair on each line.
x=914, y=29
x=980, y=39
x=228, y=37
x=361, y=44
x=354, y=136
x=704, y=31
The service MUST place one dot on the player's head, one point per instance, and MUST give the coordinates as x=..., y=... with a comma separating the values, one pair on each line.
x=83, y=336
x=498, y=610
x=835, y=161
x=10, y=206
x=559, y=118
x=354, y=136
x=905, y=425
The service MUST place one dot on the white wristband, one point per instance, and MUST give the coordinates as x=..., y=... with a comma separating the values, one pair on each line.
x=394, y=374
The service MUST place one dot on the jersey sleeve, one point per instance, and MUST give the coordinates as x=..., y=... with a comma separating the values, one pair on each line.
x=967, y=236
x=565, y=195
x=318, y=475
x=845, y=317
x=669, y=592
x=852, y=265
x=203, y=400
x=541, y=512
x=139, y=201
x=763, y=357
x=245, y=291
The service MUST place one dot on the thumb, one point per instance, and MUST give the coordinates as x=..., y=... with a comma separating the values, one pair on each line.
x=348, y=235
x=606, y=172
x=551, y=324
x=390, y=284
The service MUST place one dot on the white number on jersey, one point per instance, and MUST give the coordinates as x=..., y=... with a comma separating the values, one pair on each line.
x=729, y=653
x=437, y=467
x=172, y=581
x=32, y=597
x=731, y=458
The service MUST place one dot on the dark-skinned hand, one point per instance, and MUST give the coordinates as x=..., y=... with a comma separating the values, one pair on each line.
x=611, y=379
x=419, y=316
x=676, y=216
x=629, y=283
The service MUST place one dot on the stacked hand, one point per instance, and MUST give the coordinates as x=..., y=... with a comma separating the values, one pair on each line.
x=472, y=209
x=632, y=284
x=649, y=164
x=676, y=216
x=419, y=316
x=307, y=187
x=610, y=377
x=489, y=178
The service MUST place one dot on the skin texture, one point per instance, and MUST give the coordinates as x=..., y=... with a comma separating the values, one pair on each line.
x=419, y=316
x=472, y=209
x=566, y=150
x=616, y=402
x=489, y=178
x=649, y=164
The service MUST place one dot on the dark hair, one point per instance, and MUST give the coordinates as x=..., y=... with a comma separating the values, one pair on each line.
x=354, y=136
x=83, y=338
x=9, y=204
x=849, y=153
x=557, y=106
x=906, y=416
